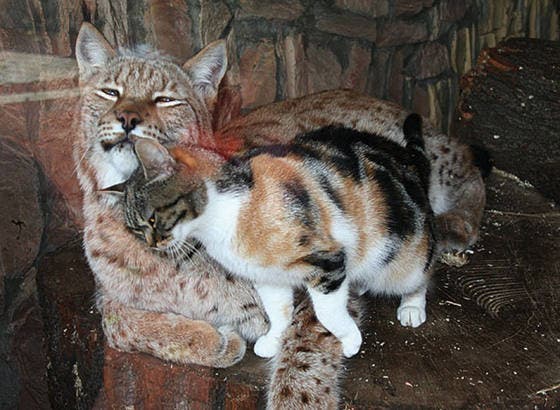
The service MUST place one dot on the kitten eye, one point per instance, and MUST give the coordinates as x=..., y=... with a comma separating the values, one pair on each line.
x=110, y=92
x=152, y=221
x=162, y=99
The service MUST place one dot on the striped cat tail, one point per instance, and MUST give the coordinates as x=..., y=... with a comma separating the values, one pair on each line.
x=413, y=136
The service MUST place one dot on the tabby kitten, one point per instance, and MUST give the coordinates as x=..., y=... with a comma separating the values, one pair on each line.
x=333, y=209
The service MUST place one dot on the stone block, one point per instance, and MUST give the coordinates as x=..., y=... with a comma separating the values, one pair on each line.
x=214, y=18
x=430, y=60
x=323, y=69
x=411, y=7
x=352, y=26
x=395, y=86
x=292, y=53
x=398, y=32
x=257, y=70
x=22, y=222
x=170, y=28
x=377, y=82
x=421, y=100
x=366, y=8
x=283, y=10
x=355, y=74
x=453, y=10
x=461, y=51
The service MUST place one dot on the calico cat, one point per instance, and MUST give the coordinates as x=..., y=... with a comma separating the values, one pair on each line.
x=191, y=312
x=333, y=209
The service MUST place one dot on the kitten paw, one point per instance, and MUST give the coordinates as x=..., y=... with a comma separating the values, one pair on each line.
x=351, y=343
x=267, y=346
x=412, y=316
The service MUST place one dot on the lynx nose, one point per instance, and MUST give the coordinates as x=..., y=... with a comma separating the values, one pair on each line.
x=129, y=119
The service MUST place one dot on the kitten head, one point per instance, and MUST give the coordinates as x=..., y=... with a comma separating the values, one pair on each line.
x=131, y=94
x=165, y=192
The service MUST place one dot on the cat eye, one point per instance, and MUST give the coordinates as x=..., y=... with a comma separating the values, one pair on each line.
x=162, y=99
x=110, y=92
x=152, y=221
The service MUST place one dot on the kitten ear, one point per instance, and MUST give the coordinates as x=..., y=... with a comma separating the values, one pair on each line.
x=156, y=161
x=206, y=70
x=92, y=50
x=117, y=189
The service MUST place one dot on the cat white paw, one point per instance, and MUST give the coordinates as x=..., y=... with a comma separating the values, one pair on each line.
x=267, y=346
x=351, y=343
x=412, y=316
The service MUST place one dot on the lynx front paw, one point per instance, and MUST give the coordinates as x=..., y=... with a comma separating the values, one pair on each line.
x=351, y=343
x=234, y=348
x=412, y=316
x=267, y=346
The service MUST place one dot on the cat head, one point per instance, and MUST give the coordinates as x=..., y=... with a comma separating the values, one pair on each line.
x=138, y=94
x=167, y=190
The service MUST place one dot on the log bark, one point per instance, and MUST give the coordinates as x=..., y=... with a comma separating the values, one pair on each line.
x=510, y=103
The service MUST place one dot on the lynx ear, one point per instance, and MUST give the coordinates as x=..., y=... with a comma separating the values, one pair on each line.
x=92, y=50
x=154, y=158
x=207, y=68
x=117, y=189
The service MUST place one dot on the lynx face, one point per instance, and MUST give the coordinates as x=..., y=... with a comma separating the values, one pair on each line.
x=127, y=95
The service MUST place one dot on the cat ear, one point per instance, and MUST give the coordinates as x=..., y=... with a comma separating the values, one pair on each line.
x=92, y=50
x=117, y=189
x=156, y=161
x=207, y=68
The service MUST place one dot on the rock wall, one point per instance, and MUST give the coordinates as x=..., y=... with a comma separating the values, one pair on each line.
x=409, y=51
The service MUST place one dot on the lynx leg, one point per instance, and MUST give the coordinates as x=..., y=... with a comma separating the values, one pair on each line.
x=412, y=310
x=278, y=304
x=331, y=310
x=170, y=337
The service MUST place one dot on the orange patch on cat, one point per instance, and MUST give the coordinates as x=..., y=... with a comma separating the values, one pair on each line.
x=274, y=244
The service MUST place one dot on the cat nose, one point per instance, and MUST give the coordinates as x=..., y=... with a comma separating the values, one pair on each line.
x=129, y=119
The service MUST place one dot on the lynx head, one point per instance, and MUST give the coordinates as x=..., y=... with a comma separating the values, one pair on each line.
x=129, y=94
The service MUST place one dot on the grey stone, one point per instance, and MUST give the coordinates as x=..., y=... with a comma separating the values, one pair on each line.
x=323, y=69
x=430, y=60
x=453, y=10
x=366, y=8
x=282, y=10
x=411, y=7
x=345, y=25
x=214, y=17
x=394, y=33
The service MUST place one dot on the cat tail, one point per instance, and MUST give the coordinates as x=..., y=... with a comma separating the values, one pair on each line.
x=414, y=138
x=305, y=374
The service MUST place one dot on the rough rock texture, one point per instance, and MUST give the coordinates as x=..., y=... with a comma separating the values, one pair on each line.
x=72, y=328
x=22, y=360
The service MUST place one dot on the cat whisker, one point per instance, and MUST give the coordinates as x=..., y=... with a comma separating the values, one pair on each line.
x=79, y=162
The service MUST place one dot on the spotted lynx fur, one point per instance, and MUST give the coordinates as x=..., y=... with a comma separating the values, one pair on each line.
x=170, y=309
